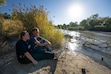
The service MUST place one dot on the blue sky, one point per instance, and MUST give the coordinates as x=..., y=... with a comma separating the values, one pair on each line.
x=65, y=11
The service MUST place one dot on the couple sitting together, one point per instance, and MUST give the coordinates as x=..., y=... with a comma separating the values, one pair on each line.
x=33, y=49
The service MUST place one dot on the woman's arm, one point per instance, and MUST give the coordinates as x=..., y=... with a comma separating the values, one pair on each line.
x=28, y=55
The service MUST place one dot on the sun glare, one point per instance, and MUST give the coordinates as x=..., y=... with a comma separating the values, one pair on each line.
x=75, y=11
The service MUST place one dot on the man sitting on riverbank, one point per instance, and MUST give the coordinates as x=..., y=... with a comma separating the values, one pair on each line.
x=38, y=43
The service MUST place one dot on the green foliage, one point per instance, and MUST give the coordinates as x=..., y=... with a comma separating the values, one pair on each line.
x=6, y=16
x=93, y=23
x=2, y=2
x=1, y=21
x=38, y=17
x=96, y=23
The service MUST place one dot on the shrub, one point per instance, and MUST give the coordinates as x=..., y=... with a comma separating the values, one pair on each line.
x=38, y=17
x=11, y=27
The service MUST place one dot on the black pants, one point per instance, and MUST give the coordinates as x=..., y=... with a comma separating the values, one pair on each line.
x=42, y=56
x=36, y=56
x=23, y=60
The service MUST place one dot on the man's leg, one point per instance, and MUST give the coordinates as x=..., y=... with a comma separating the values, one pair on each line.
x=38, y=49
x=48, y=48
x=42, y=56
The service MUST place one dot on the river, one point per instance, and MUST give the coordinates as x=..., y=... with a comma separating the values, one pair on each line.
x=93, y=44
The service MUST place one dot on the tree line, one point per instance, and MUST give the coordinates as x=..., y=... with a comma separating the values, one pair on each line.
x=92, y=23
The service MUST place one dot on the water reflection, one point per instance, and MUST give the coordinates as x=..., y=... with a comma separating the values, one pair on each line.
x=95, y=45
x=73, y=42
x=97, y=36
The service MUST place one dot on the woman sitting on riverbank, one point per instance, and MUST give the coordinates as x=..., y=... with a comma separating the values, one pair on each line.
x=24, y=52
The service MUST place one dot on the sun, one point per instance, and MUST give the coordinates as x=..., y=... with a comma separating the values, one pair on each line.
x=75, y=11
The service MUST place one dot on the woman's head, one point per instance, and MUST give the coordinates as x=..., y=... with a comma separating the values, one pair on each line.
x=24, y=35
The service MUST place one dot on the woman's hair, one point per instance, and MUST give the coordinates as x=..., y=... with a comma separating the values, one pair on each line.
x=22, y=34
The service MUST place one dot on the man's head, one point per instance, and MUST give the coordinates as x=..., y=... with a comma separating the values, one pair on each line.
x=35, y=32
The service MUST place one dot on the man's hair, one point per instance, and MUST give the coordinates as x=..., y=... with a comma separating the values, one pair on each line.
x=22, y=34
x=35, y=29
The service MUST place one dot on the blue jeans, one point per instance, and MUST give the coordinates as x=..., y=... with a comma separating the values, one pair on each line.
x=42, y=52
x=44, y=47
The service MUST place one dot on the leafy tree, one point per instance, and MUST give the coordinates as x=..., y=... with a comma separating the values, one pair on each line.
x=93, y=23
x=59, y=26
x=94, y=17
x=6, y=16
x=64, y=26
x=73, y=24
x=84, y=24
x=108, y=24
x=2, y=2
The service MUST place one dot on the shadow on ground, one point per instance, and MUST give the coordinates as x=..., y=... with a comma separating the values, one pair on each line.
x=12, y=66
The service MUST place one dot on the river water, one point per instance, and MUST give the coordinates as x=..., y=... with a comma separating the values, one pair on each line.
x=92, y=44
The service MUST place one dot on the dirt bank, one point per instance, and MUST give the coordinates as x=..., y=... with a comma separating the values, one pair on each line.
x=68, y=63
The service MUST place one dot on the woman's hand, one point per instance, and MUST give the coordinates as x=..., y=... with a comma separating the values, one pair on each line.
x=29, y=56
x=34, y=62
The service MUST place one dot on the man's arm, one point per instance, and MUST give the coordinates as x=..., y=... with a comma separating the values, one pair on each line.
x=28, y=55
x=41, y=44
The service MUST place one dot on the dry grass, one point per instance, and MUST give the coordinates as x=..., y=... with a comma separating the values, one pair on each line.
x=11, y=27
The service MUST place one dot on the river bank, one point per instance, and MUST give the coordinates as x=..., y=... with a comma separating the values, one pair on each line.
x=92, y=44
x=77, y=63
x=67, y=63
x=75, y=59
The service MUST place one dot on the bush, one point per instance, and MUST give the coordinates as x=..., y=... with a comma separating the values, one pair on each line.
x=10, y=28
x=38, y=17
x=1, y=23
x=53, y=35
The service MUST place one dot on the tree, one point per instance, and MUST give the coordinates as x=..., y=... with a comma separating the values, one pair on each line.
x=6, y=16
x=93, y=20
x=73, y=24
x=108, y=24
x=64, y=26
x=85, y=24
x=59, y=26
x=94, y=17
x=2, y=2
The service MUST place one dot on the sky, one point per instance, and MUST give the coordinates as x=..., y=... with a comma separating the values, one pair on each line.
x=66, y=11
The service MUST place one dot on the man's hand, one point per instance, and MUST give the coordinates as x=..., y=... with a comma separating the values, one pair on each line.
x=48, y=43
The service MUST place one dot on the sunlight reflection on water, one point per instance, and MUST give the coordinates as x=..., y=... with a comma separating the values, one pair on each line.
x=77, y=40
x=72, y=46
x=73, y=43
